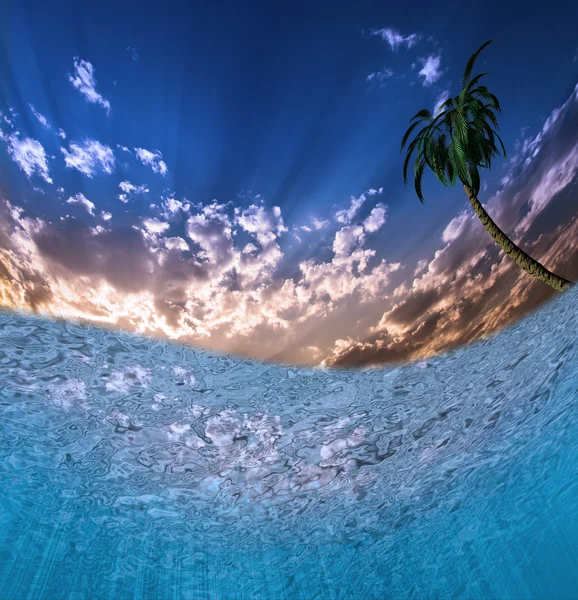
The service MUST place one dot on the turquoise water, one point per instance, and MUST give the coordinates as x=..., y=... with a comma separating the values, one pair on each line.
x=131, y=468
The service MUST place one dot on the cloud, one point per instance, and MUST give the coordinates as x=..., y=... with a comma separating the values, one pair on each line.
x=225, y=281
x=222, y=294
x=346, y=216
x=319, y=223
x=380, y=76
x=376, y=218
x=443, y=96
x=430, y=71
x=132, y=52
x=211, y=230
x=346, y=239
x=83, y=80
x=152, y=159
x=171, y=208
x=41, y=119
x=106, y=216
x=469, y=288
x=265, y=225
x=395, y=39
x=61, y=134
x=30, y=156
x=129, y=189
x=89, y=157
x=83, y=201
x=155, y=225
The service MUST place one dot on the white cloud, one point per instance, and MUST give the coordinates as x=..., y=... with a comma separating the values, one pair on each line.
x=83, y=201
x=211, y=230
x=89, y=157
x=420, y=267
x=132, y=52
x=84, y=81
x=155, y=225
x=455, y=227
x=170, y=207
x=106, y=216
x=42, y=120
x=130, y=189
x=264, y=224
x=61, y=134
x=6, y=119
x=380, y=76
x=376, y=218
x=395, y=39
x=346, y=239
x=176, y=243
x=319, y=224
x=346, y=216
x=431, y=71
x=30, y=156
x=440, y=100
x=152, y=159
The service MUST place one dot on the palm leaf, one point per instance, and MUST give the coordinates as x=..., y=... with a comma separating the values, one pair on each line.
x=474, y=81
x=470, y=63
x=408, y=133
x=418, y=172
x=422, y=114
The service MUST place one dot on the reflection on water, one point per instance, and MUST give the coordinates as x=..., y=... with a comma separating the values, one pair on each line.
x=131, y=468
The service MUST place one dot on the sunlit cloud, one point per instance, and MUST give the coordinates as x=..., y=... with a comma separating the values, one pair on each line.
x=346, y=216
x=84, y=81
x=128, y=189
x=470, y=288
x=90, y=157
x=152, y=159
x=83, y=201
x=376, y=218
x=41, y=118
x=30, y=156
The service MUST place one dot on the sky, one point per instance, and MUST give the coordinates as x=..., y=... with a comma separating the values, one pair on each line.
x=229, y=174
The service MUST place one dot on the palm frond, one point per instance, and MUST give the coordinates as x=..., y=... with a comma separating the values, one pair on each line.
x=459, y=139
x=407, y=134
x=422, y=114
x=418, y=173
x=473, y=82
x=483, y=91
x=470, y=63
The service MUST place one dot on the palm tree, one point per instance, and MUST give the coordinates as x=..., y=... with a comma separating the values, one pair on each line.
x=454, y=143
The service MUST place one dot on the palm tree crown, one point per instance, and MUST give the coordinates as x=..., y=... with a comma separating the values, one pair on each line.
x=454, y=143
x=460, y=138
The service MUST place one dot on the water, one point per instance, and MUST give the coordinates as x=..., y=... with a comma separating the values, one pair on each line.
x=131, y=468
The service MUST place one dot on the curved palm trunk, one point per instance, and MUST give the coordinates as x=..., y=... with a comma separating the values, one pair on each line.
x=523, y=260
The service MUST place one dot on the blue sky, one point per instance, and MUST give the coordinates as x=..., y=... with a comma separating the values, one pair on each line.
x=300, y=107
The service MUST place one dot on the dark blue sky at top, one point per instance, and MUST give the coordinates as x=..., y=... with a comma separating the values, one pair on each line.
x=271, y=98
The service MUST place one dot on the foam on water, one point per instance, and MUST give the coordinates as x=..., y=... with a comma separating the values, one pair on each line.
x=132, y=468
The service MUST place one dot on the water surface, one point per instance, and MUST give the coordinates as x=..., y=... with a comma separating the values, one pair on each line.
x=133, y=468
